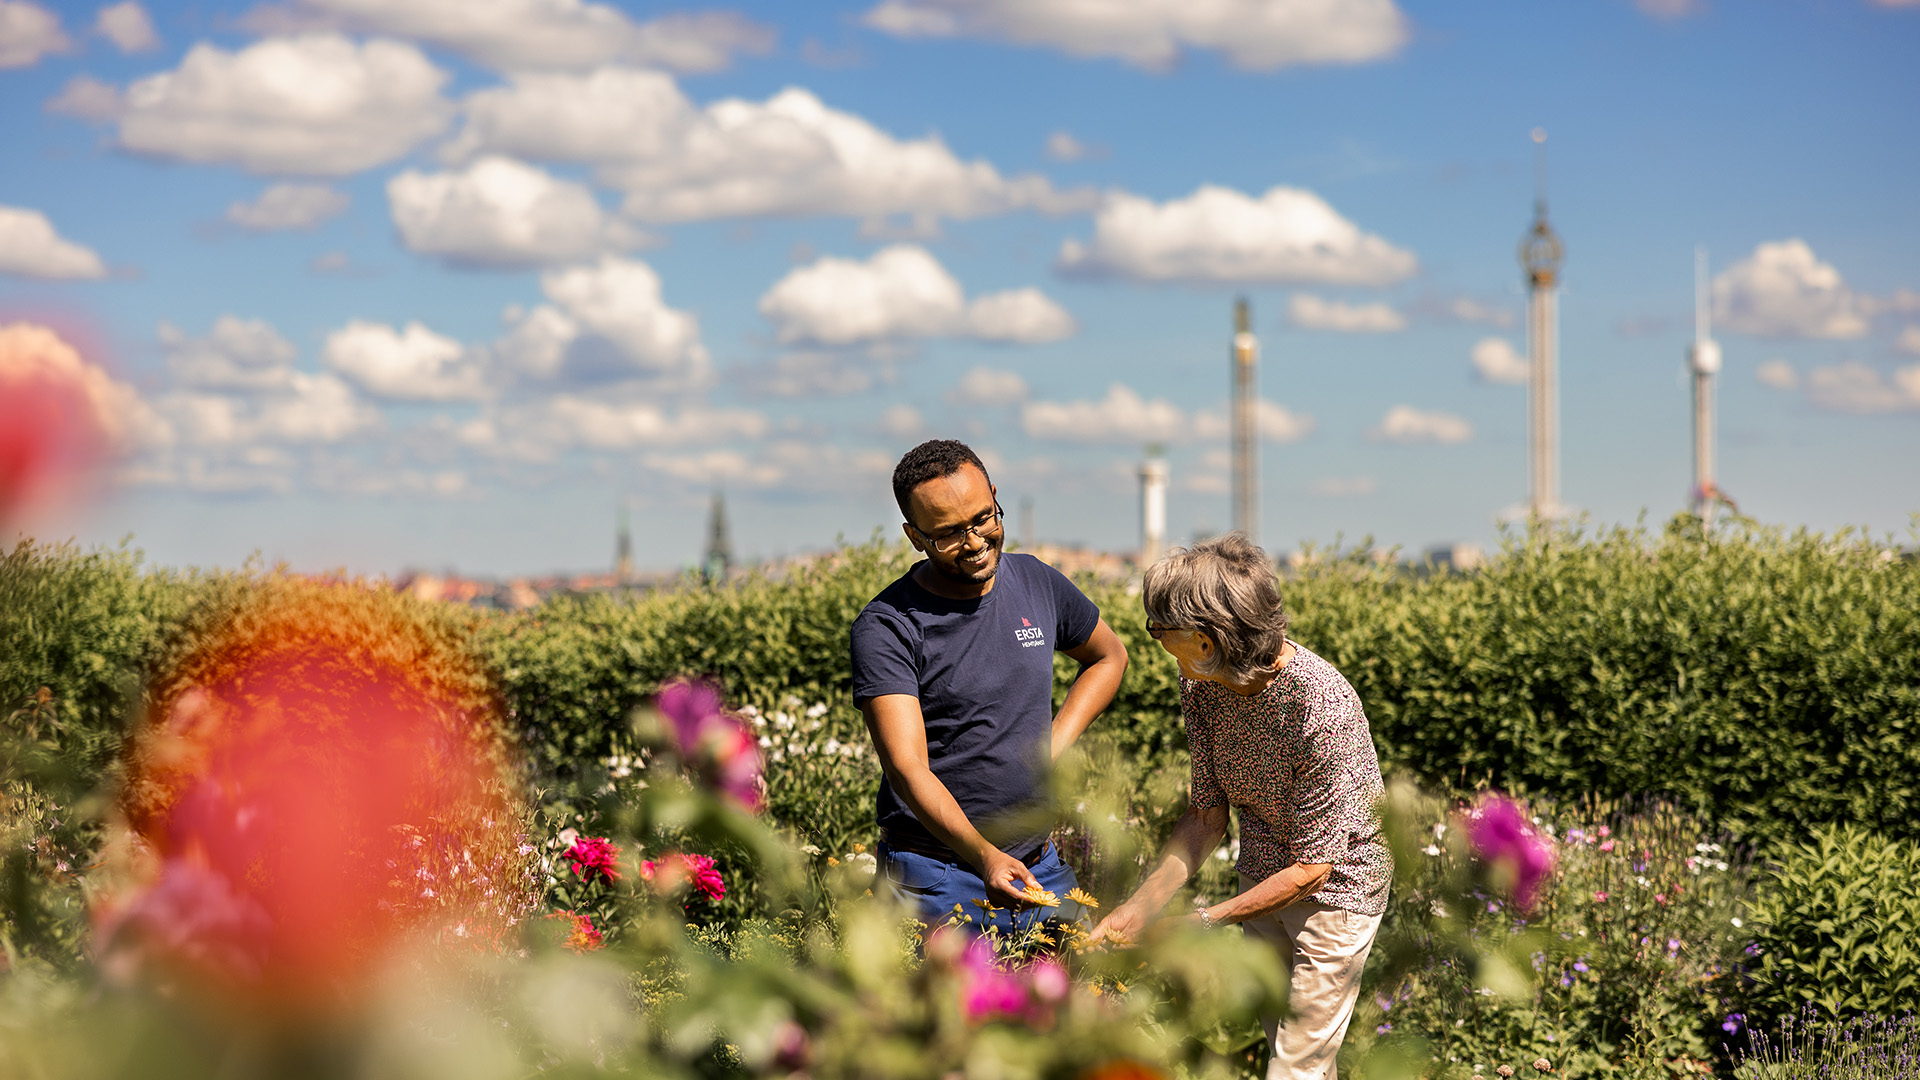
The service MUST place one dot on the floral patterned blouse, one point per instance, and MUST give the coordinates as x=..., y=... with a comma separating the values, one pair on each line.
x=1297, y=761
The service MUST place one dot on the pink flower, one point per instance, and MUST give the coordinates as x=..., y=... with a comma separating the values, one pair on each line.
x=594, y=857
x=1500, y=835
x=674, y=870
x=1606, y=845
x=1599, y=898
x=701, y=870
x=987, y=991
x=717, y=745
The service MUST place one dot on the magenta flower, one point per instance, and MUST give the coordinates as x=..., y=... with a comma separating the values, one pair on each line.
x=1501, y=836
x=713, y=742
x=674, y=870
x=594, y=857
x=986, y=991
x=701, y=871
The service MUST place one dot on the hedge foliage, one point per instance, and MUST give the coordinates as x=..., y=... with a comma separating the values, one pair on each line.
x=1767, y=681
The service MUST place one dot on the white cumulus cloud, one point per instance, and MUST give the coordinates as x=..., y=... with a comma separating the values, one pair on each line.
x=517, y=35
x=788, y=155
x=1853, y=387
x=1311, y=312
x=607, y=320
x=903, y=422
x=29, y=247
x=1778, y=374
x=1406, y=424
x=1495, y=360
x=289, y=206
x=502, y=212
x=988, y=386
x=1218, y=234
x=902, y=292
x=1909, y=340
x=310, y=409
x=1274, y=422
x=1025, y=316
x=27, y=33
x=1256, y=35
x=128, y=27
x=89, y=99
x=1122, y=416
x=237, y=354
x=543, y=430
x=316, y=104
x=1784, y=290
x=411, y=364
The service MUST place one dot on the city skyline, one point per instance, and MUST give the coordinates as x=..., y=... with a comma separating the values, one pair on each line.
x=425, y=286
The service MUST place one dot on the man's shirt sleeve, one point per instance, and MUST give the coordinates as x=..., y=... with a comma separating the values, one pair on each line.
x=883, y=658
x=1078, y=616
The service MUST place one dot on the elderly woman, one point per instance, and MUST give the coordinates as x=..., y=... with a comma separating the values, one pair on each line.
x=1279, y=735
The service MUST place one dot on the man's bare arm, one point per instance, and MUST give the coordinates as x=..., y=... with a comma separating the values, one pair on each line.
x=1103, y=662
x=900, y=737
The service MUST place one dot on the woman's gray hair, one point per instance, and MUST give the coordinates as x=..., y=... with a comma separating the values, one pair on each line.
x=1226, y=589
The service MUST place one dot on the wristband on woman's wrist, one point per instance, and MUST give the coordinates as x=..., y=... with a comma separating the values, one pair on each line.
x=1207, y=921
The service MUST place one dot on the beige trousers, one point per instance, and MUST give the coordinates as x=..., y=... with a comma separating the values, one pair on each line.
x=1323, y=949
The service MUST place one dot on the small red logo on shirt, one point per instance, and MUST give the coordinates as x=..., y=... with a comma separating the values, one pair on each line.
x=1024, y=622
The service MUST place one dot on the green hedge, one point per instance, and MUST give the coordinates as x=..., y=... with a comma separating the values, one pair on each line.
x=1767, y=681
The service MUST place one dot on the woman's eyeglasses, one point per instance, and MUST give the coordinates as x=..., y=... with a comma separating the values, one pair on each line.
x=948, y=541
x=1156, y=631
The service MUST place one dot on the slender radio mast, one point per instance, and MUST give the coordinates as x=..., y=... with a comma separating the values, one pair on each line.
x=1540, y=255
x=1246, y=434
x=1703, y=356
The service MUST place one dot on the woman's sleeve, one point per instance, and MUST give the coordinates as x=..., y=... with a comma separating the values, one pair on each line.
x=1205, y=792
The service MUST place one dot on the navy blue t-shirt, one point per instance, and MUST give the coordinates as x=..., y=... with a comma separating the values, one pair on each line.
x=983, y=671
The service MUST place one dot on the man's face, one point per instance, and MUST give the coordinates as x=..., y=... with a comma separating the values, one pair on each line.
x=940, y=507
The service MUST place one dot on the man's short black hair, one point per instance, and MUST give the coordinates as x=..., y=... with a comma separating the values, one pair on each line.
x=931, y=460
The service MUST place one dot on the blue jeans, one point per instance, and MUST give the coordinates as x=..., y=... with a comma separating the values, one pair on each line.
x=932, y=888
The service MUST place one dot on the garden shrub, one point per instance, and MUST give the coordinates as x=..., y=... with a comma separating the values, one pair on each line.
x=1837, y=925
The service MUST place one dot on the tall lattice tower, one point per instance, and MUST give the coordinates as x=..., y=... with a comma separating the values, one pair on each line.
x=1703, y=357
x=1540, y=256
x=1246, y=433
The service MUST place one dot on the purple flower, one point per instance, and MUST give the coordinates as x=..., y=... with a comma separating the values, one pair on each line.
x=1566, y=980
x=718, y=745
x=1580, y=965
x=1500, y=835
x=1733, y=1023
x=1383, y=1029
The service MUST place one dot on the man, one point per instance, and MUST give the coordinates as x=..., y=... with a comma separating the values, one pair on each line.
x=953, y=670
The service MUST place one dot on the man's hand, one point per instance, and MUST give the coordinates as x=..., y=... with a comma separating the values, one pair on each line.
x=1122, y=926
x=1007, y=879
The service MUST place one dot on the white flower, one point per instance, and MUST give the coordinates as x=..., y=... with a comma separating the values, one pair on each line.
x=1440, y=830
x=1642, y=882
x=766, y=740
x=833, y=746
x=568, y=836
x=863, y=862
x=819, y=709
x=810, y=849
x=1737, y=924
x=1223, y=854
x=1431, y=849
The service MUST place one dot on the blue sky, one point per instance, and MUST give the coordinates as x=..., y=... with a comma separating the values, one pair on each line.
x=767, y=247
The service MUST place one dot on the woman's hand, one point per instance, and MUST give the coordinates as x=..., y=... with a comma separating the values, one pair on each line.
x=1122, y=926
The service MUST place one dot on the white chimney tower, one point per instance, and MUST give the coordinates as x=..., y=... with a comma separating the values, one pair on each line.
x=1703, y=357
x=1153, y=507
x=1540, y=256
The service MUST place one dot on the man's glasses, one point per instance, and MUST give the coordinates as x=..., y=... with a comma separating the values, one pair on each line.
x=948, y=541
